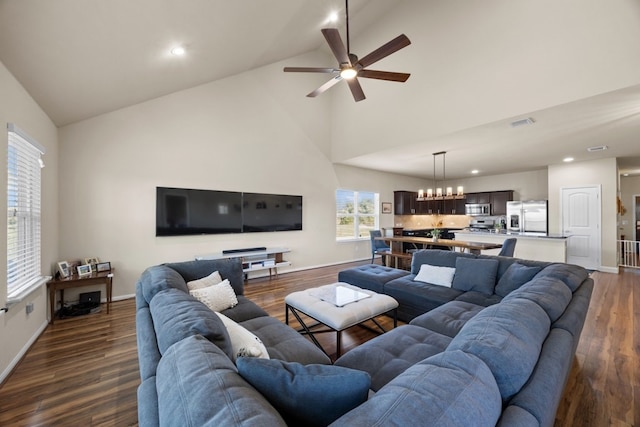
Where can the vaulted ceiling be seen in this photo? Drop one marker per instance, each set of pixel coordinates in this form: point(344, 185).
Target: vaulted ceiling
point(476, 67)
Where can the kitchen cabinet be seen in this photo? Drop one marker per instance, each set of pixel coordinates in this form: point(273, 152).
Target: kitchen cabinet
point(405, 202)
point(499, 201)
point(454, 207)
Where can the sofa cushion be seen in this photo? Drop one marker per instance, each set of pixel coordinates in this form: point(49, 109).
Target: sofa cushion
point(571, 275)
point(421, 295)
point(310, 395)
point(475, 275)
point(516, 275)
point(508, 338)
point(390, 354)
point(158, 278)
point(549, 293)
point(478, 298)
point(198, 385)
point(435, 257)
point(177, 315)
point(441, 276)
point(228, 268)
point(148, 352)
point(217, 297)
point(370, 276)
point(148, 411)
point(449, 318)
point(448, 389)
point(284, 343)
point(246, 309)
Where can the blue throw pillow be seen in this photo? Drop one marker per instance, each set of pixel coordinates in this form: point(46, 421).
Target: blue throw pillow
point(310, 395)
point(516, 275)
point(475, 275)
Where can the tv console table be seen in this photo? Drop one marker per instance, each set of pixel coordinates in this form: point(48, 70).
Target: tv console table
point(255, 260)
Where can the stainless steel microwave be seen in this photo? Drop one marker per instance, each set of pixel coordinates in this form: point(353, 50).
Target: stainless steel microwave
point(477, 209)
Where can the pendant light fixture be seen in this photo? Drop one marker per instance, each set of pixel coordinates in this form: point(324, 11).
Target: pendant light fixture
point(439, 194)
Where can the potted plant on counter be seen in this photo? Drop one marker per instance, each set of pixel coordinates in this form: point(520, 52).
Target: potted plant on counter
point(435, 234)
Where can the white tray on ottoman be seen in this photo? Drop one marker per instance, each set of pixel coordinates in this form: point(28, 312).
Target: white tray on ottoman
point(338, 306)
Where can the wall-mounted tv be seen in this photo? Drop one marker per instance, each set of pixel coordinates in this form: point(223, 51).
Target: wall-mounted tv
point(181, 211)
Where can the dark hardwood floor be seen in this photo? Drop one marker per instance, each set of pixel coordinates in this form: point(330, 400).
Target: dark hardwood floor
point(84, 371)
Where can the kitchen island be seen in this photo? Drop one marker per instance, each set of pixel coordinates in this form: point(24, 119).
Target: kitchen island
point(550, 248)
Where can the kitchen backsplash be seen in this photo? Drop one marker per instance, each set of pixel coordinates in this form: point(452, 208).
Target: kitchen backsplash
point(431, 221)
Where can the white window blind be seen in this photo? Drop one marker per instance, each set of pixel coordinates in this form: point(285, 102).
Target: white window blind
point(23, 213)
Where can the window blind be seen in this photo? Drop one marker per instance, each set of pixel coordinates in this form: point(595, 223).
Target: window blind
point(23, 212)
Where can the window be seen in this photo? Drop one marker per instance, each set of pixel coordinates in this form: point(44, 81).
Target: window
point(356, 214)
point(23, 214)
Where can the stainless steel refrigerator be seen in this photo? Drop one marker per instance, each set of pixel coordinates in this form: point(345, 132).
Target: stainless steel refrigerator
point(528, 217)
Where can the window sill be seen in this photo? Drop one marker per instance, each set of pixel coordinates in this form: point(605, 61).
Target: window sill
point(26, 291)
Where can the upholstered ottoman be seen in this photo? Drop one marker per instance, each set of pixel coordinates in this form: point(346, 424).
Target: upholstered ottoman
point(338, 306)
point(371, 276)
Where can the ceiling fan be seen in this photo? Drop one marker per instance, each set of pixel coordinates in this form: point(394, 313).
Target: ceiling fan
point(350, 67)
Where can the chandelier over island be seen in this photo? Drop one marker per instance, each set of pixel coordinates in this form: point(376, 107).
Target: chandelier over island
point(439, 194)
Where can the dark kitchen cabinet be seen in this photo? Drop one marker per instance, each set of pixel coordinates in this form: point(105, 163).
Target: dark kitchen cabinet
point(499, 201)
point(454, 207)
point(405, 202)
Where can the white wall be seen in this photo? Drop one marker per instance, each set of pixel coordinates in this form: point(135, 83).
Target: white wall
point(243, 133)
point(601, 173)
point(17, 329)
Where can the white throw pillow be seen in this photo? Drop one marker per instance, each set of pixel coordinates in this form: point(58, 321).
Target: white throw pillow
point(217, 297)
point(244, 342)
point(212, 279)
point(441, 276)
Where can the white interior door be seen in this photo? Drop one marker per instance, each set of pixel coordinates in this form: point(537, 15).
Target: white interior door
point(581, 219)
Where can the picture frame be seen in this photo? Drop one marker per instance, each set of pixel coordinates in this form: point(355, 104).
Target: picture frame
point(84, 270)
point(91, 261)
point(386, 208)
point(63, 268)
point(103, 266)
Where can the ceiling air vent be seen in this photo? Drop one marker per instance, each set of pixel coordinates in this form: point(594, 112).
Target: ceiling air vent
point(598, 148)
point(522, 122)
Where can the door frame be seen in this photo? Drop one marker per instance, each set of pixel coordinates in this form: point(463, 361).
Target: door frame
point(598, 189)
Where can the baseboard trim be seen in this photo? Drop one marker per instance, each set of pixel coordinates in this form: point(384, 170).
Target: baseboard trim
point(22, 352)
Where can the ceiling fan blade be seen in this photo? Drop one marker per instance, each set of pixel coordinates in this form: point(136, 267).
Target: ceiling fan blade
point(324, 87)
point(310, 70)
point(385, 50)
point(384, 75)
point(356, 89)
point(332, 35)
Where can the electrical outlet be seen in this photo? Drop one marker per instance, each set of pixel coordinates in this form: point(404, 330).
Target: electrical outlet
point(29, 308)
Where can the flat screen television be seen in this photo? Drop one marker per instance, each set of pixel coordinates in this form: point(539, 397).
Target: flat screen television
point(181, 211)
point(271, 212)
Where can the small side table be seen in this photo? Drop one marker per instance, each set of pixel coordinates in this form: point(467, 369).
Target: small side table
point(75, 281)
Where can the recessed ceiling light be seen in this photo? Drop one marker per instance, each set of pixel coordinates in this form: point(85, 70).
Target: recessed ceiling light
point(625, 174)
point(568, 159)
point(475, 171)
point(333, 17)
point(178, 51)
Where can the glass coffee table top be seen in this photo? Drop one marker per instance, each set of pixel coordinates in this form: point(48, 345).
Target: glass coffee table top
point(338, 295)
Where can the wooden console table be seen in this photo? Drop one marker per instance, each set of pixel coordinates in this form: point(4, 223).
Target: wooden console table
point(75, 281)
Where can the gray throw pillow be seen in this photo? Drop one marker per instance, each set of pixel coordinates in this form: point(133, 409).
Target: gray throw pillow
point(474, 274)
point(516, 275)
point(310, 395)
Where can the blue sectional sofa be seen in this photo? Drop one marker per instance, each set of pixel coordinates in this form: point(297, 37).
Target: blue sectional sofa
point(474, 356)
point(186, 366)
point(478, 354)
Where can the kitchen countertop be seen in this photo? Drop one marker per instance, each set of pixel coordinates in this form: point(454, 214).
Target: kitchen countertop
point(514, 234)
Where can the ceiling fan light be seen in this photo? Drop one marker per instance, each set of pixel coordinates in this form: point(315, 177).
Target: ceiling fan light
point(348, 73)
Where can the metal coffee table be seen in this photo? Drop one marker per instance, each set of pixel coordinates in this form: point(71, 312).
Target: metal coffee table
point(338, 306)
